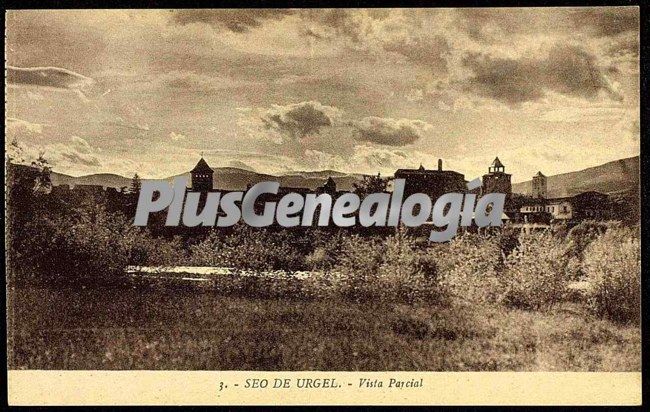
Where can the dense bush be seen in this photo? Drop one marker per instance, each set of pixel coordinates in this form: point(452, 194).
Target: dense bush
point(147, 250)
point(248, 248)
point(384, 269)
point(578, 238)
point(582, 234)
point(612, 265)
point(86, 245)
point(534, 274)
point(468, 267)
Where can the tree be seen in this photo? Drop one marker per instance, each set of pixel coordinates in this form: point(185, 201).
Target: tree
point(136, 184)
point(39, 177)
point(371, 184)
point(43, 181)
point(132, 194)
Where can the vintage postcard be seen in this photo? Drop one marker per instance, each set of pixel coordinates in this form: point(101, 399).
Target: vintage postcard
point(417, 206)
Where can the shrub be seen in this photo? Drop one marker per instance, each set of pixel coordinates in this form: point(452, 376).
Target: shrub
point(157, 251)
point(392, 270)
point(358, 263)
point(467, 267)
point(535, 272)
point(248, 249)
point(581, 235)
point(612, 265)
point(404, 272)
point(92, 246)
point(259, 285)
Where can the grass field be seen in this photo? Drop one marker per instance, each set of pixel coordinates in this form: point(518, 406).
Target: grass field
point(186, 329)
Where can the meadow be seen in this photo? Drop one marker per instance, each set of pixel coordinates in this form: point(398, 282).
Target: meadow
point(190, 329)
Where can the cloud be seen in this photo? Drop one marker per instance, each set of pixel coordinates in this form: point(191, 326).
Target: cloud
point(299, 120)
point(202, 83)
point(52, 77)
point(319, 160)
point(15, 125)
point(378, 158)
point(81, 145)
point(76, 153)
point(177, 136)
point(121, 123)
point(489, 25)
point(371, 159)
point(388, 131)
point(351, 24)
point(17, 153)
point(376, 31)
point(575, 113)
point(426, 50)
point(565, 69)
point(235, 20)
point(607, 21)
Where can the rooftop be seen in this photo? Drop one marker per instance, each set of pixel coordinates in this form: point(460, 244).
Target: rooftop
point(202, 167)
point(497, 163)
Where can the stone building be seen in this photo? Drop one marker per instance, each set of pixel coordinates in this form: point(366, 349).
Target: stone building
point(497, 180)
point(202, 177)
point(583, 206)
point(433, 183)
point(539, 186)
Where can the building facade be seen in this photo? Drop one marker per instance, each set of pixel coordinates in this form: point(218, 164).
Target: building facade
point(583, 206)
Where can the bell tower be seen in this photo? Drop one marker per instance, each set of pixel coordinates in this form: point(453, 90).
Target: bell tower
point(497, 180)
point(539, 186)
point(202, 177)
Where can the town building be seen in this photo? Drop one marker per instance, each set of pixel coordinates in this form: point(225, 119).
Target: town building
point(433, 183)
point(585, 205)
point(539, 186)
point(202, 177)
point(329, 187)
point(497, 180)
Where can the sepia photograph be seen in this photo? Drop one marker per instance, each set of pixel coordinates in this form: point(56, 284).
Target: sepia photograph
point(362, 190)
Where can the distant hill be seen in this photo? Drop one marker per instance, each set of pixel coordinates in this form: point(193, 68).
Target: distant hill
point(228, 178)
point(612, 177)
point(101, 179)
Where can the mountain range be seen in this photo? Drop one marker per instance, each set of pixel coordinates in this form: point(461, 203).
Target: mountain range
point(227, 178)
point(612, 177)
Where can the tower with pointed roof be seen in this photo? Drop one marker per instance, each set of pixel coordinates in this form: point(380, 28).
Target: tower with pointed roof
point(202, 177)
point(329, 187)
point(497, 180)
point(539, 186)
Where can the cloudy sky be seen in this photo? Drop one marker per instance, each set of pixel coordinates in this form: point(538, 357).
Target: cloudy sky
point(356, 90)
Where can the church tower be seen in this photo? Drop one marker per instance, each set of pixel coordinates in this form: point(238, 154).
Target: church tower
point(497, 180)
point(202, 177)
point(539, 186)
